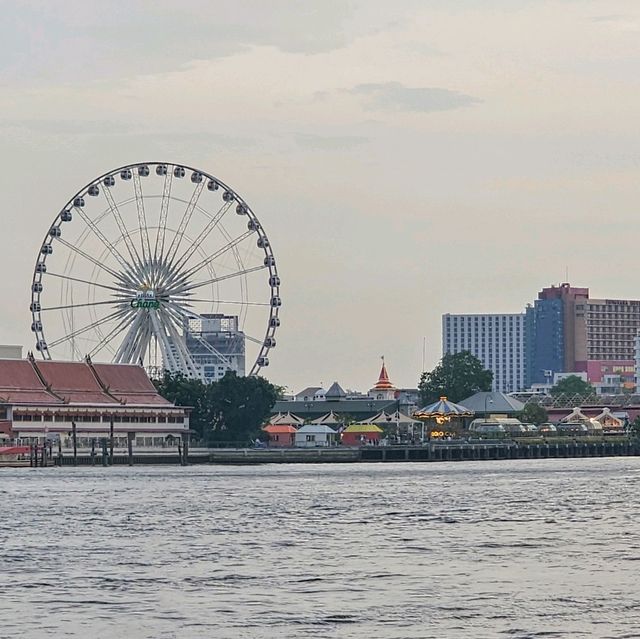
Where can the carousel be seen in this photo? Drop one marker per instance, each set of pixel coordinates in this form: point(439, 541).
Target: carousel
point(443, 418)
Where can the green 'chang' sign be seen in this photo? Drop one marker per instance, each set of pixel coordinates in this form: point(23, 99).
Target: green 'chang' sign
point(142, 303)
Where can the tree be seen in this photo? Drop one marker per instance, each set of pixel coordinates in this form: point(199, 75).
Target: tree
point(572, 385)
point(634, 427)
point(533, 414)
point(183, 391)
point(230, 410)
point(457, 376)
point(238, 406)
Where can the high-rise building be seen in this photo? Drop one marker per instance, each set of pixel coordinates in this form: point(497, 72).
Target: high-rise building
point(216, 345)
point(498, 341)
point(556, 333)
point(563, 331)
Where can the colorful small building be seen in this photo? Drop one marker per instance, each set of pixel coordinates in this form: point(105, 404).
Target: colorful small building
point(315, 435)
point(361, 435)
point(280, 435)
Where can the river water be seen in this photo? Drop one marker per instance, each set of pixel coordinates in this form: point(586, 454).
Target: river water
point(513, 549)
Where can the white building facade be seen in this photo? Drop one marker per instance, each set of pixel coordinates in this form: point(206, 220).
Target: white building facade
point(498, 341)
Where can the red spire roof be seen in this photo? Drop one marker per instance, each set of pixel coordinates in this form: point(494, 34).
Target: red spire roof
point(383, 382)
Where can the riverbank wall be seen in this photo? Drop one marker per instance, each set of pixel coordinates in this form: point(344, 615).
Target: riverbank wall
point(433, 452)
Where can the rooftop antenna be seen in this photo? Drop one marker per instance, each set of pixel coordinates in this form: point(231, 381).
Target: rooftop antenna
point(566, 274)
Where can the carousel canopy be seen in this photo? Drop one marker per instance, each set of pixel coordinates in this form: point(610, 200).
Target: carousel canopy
point(443, 408)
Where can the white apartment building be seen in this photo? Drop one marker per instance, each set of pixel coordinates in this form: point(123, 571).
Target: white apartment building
point(496, 340)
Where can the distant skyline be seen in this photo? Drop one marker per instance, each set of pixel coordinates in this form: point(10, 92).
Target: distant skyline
point(407, 159)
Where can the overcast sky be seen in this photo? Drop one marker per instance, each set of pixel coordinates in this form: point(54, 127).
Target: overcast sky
point(406, 158)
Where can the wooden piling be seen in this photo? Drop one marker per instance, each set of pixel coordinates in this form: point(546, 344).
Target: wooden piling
point(130, 437)
point(74, 437)
point(185, 450)
point(105, 455)
point(93, 451)
point(111, 442)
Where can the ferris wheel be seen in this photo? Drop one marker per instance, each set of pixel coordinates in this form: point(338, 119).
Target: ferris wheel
point(161, 265)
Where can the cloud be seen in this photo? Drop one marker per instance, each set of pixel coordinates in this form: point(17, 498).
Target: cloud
point(330, 142)
point(393, 96)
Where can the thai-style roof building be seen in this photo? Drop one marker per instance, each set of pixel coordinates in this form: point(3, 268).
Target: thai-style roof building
point(45, 398)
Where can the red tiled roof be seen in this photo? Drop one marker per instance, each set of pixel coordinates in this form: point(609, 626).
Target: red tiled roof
point(12, 396)
point(124, 378)
point(279, 429)
point(129, 383)
point(68, 376)
point(18, 374)
point(48, 382)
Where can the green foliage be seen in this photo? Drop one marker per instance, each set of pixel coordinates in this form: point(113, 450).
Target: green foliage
point(533, 414)
point(457, 376)
point(231, 410)
point(183, 391)
point(239, 406)
point(634, 427)
point(572, 385)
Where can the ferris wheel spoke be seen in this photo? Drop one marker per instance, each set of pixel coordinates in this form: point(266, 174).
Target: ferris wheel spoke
point(122, 227)
point(158, 250)
point(160, 334)
point(88, 257)
point(101, 236)
point(112, 333)
point(123, 355)
point(221, 278)
point(183, 354)
point(201, 301)
point(214, 256)
point(255, 340)
point(88, 282)
point(142, 220)
point(204, 234)
point(83, 305)
point(88, 327)
point(184, 222)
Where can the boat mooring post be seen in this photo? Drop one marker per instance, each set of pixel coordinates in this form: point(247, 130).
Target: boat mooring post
point(111, 441)
point(180, 451)
point(130, 437)
point(59, 451)
point(93, 451)
point(105, 454)
point(74, 437)
point(185, 449)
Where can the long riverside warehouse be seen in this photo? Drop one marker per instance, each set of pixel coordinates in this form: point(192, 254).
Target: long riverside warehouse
point(47, 400)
